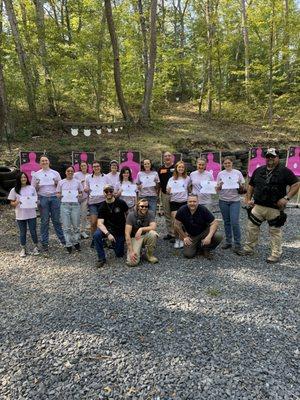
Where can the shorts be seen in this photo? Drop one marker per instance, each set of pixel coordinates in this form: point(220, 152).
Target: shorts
point(94, 209)
point(174, 206)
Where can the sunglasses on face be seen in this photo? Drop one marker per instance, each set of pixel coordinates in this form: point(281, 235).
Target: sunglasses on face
point(269, 156)
point(144, 206)
point(108, 191)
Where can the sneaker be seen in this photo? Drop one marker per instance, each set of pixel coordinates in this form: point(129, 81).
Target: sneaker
point(84, 235)
point(45, 248)
point(69, 249)
point(77, 247)
point(177, 244)
point(181, 244)
point(35, 251)
point(226, 246)
point(167, 237)
point(246, 252)
point(23, 252)
point(172, 240)
point(272, 259)
point(100, 263)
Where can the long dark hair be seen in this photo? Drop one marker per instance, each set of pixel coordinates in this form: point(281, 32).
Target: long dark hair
point(125, 169)
point(18, 181)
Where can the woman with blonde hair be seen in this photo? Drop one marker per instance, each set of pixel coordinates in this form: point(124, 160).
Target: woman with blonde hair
point(177, 187)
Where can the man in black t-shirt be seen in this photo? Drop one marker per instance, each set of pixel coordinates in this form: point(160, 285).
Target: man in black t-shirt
point(111, 224)
point(200, 229)
point(268, 187)
point(165, 172)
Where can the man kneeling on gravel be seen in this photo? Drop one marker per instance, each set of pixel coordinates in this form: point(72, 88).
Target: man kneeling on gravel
point(111, 225)
point(197, 227)
point(140, 232)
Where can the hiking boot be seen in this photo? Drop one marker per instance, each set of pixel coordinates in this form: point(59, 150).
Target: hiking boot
point(226, 246)
point(208, 254)
point(272, 259)
point(77, 247)
point(69, 249)
point(150, 257)
point(238, 250)
point(246, 252)
point(100, 263)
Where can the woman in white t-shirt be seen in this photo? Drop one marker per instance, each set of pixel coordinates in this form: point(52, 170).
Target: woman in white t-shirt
point(147, 181)
point(24, 198)
point(177, 187)
point(229, 181)
point(81, 175)
point(124, 188)
point(69, 190)
point(198, 177)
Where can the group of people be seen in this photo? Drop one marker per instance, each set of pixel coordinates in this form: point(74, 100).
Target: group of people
point(122, 211)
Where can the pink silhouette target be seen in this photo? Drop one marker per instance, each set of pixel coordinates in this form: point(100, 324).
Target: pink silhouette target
point(131, 159)
point(256, 160)
point(293, 160)
point(28, 163)
point(79, 157)
point(213, 164)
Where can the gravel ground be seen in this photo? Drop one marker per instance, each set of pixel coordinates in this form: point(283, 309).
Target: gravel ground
point(180, 329)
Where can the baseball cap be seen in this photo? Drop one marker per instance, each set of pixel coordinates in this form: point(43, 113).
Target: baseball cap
point(272, 152)
point(113, 162)
point(108, 187)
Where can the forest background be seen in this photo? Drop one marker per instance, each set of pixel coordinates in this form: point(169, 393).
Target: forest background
point(193, 73)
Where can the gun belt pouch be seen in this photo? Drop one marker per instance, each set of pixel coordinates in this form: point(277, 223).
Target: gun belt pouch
point(278, 221)
point(256, 221)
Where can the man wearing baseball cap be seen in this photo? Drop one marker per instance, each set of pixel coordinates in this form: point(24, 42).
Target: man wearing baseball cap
point(267, 196)
point(111, 225)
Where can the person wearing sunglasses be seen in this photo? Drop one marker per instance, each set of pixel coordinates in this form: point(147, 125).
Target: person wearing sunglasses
point(140, 232)
point(266, 198)
point(111, 225)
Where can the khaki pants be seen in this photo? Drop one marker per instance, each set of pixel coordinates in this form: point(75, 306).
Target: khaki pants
point(252, 235)
point(191, 251)
point(148, 240)
point(165, 200)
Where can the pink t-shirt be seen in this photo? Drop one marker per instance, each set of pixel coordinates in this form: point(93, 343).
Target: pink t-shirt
point(45, 190)
point(196, 179)
point(183, 183)
point(23, 213)
point(82, 177)
point(230, 194)
point(90, 182)
point(113, 179)
point(69, 184)
point(143, 176)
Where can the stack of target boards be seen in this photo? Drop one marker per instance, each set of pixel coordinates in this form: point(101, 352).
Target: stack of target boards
point(28, 161)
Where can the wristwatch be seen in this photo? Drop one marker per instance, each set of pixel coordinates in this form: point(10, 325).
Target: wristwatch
point(107, 234)
point(287, 198)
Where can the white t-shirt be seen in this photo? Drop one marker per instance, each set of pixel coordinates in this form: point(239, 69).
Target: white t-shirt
point(143, 177)
point(196, 179)
point(81, 177)
point(230, 194)
point(183, 184)
point(23, 213)
point(92, 181)
point(45, 190)
point(69, 184)
point(113, 179)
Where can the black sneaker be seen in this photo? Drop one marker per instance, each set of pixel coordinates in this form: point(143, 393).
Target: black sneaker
point(226, 246)
point(168, 237)
point(45, 248)
point(100, 263)
point(69, 249)
point(238, 250)
point(77, 247)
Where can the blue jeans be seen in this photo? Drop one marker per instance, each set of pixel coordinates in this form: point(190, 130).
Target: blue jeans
point(118, 245)
point(231, 215)
point(23, 230)
point(50, 208)
point(152, 201)
point(70, 218)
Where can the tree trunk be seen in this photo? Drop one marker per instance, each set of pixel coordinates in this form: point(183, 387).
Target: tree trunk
point(145, 109)
point(117, 71)
point(40, 24)
point(209, 34)
point(286, 42)
point(246, 46)
point(100, 64)
point(145, 43)
point(271, 54)
point(22, 60)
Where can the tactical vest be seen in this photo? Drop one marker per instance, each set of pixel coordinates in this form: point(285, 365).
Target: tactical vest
point(269, 186)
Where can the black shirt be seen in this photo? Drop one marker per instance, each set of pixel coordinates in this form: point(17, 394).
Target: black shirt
point(196, 223)
point(137, 221)
point(114, 215)
point(165, 174)
point(270, 185)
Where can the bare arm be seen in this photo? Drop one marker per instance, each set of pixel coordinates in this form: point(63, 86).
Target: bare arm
point(212, 230)
point(292, 191)
point(248, 197)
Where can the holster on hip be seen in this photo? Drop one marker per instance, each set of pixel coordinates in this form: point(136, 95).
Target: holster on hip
point(256, 221)
point(278, 221)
